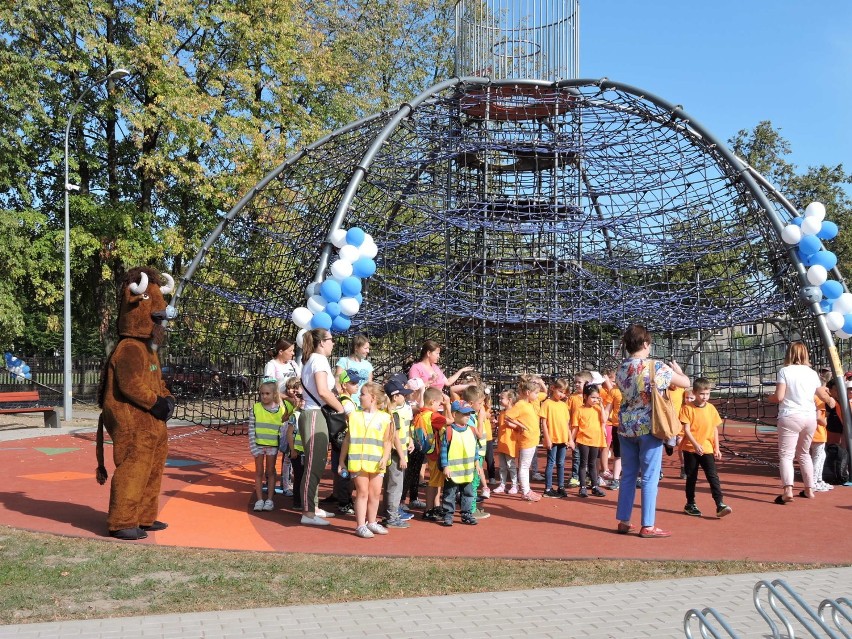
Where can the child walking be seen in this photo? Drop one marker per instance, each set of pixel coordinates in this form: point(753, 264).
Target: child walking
point(458, 464)
point(557, 437)
point(265, 421)
point(587, 427)
point(367, 449)
point(701, 447)
point(524, 417)
point(507, 446)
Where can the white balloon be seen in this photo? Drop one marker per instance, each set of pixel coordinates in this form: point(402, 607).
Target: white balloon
point(811, 225)
point(817, 274)
point(369, 249)
point(843, 304)
point(349, 306)
point(791, 234)
point(338, 237)
point(834, 320)
point(842, 335)
point(341, 269)
point(312, 289)
point(815, 209)
point(300, 337)
point(302, 317)
point(316, 304)
point(349, 253)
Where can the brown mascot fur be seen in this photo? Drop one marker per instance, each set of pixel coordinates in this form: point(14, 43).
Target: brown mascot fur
point(136, 406)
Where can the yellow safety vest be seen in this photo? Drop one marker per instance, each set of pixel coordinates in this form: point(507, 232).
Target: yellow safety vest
point(405, 417)
point(297, 434)
point(366, 441)
point(266, 426)
point(461, 456)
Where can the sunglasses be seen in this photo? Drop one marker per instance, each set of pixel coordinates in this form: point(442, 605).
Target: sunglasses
point(328, 339)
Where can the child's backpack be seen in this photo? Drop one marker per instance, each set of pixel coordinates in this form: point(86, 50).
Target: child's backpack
point(836, 468)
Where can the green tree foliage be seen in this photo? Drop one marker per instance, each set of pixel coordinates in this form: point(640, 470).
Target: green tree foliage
point(221, 92)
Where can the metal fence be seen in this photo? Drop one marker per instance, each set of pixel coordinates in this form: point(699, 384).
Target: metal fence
point(48, 375)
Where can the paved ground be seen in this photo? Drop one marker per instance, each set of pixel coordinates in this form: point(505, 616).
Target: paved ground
point(634, 610)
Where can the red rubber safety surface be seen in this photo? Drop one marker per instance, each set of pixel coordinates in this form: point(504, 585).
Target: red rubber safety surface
point(207, 497)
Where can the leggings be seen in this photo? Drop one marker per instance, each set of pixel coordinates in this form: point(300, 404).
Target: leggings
point(411, 486)
point(508, 469)
point(588, 464)
point(818, 457)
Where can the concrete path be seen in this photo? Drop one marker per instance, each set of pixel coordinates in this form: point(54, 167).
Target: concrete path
point(631, 610)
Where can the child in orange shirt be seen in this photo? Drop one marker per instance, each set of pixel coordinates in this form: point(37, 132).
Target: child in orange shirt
point(587, 428)
point(700, 446)
point(507, 446)
point(524, 418)
point(611, 397)
point(818, 446)
point(554, 418)
point(575, 402)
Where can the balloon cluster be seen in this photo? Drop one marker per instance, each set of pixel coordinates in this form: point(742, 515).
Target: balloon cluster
point(17, 367)
point(332, 302)
point(806, 233)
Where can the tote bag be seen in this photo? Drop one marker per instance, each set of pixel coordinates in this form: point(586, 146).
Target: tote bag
point(336, 423)
point(665, 423)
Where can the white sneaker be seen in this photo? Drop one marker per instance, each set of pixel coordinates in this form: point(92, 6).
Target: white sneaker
point(377, 528)
point(324, 513)
point(363, 531)
point(314, 521)
point(258, 505)
point(268, 505)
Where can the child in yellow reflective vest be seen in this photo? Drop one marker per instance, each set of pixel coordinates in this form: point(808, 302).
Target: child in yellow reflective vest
point(264, 429)
point(458, 463)
point(367, 449)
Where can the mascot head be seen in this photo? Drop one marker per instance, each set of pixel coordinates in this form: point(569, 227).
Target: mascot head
point(143, 311)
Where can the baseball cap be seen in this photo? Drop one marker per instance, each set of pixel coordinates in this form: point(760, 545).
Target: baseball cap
point(350, 377)
point(459, 407)
point(393, 387)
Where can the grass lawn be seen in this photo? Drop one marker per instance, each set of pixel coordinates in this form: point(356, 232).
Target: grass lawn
point(47, 578)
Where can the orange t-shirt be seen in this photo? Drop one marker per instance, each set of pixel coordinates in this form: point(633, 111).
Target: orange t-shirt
point(820, 434)
point(613, 397)
point(590, 426)
point(556, 416)
point(525, 413)
point(507, 438)
point(703, 422)
point(574, 402)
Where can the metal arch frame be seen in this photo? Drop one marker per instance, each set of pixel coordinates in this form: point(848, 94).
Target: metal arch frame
point(754, 182)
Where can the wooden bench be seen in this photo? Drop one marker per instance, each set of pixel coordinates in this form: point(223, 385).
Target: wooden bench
point(27, 402)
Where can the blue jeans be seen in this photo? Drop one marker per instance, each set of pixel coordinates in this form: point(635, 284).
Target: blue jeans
point(575, 463)
point(555, 456)
point(643, 456)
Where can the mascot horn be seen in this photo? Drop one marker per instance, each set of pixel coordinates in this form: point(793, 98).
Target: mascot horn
point(136, 406)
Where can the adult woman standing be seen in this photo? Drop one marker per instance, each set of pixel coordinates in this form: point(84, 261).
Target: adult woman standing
point(797, 418)
point(427, 369)
point(282, 366)
point(318, 383)
point(641, 452)
point(356, 361)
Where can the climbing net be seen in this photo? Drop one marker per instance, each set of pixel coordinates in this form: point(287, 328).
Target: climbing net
point(522, 225)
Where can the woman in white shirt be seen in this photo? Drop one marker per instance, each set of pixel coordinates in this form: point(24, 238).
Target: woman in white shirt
point(282, 366)
point(797, 418)
point(317, 384)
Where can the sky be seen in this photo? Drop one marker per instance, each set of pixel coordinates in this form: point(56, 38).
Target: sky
point(734, 63)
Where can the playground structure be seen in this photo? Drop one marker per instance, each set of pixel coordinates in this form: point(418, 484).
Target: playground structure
point(521, 222)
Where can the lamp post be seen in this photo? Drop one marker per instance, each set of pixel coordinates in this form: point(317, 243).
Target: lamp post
point(68, 410)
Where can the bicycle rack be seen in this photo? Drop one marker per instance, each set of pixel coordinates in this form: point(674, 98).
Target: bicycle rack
point(778, 602)
point(838, 613)
point(707, 626)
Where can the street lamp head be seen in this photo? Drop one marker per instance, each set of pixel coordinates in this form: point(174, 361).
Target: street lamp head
point(117, 74)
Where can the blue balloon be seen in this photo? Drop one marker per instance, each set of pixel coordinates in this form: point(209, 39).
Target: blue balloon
point(25, 369)
point(828, 230)
point(333, 309)
point(330, 291)
point(797, 221)
point(809, 260)
point(321, 320)
point(363, 267)
point(355, 236)
point(826, 259)
point(360, 298)
point(847, 324)
point(832, 289)
point(351, 286)
point(28, 376)
point(809, 245)
point(826, 305)
point(341, 324)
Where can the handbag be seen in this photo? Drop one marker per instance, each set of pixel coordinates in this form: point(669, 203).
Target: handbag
point(336, 422)
point(665, 423)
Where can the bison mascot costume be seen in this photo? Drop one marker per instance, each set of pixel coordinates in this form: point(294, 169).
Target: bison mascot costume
point(136, 406)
